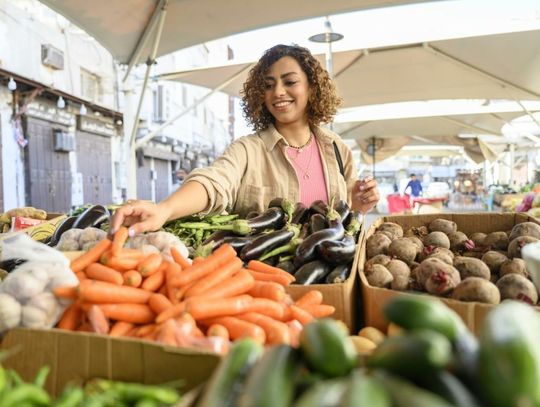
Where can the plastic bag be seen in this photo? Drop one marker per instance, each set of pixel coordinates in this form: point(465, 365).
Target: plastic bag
point(162, 241)
point(31, 284)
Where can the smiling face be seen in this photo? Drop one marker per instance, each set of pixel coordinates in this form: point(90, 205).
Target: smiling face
point(286, 92)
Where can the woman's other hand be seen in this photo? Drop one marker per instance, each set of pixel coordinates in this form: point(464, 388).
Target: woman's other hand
point(139, 216)
point(365, 195)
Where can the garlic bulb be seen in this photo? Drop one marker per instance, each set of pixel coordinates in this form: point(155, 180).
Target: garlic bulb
point(33, 317)
point(10, 312)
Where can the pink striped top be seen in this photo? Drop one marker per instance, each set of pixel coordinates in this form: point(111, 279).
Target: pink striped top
point(309, 170)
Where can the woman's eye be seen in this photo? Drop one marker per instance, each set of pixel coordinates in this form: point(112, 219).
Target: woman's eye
point(290, 83)
point(268, 86)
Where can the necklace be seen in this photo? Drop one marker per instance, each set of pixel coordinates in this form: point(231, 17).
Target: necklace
point(299, 149)
point(305, 171)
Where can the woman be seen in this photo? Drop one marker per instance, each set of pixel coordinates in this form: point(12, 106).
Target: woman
point(286, 97)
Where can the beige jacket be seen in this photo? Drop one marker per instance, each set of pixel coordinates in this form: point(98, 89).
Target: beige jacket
point(255, 169)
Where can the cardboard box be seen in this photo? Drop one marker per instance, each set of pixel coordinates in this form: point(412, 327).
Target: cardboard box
point(79, 356)
point(344, 296)
point(472, 313)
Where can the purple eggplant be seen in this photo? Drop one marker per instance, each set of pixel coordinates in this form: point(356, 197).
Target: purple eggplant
point(338, 251)
point(312, 273)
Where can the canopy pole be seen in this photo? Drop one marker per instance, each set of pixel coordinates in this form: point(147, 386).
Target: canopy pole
point(150, 135)
point(486, 74)
point(131, 162)
point(155, 19)
point(476, 129)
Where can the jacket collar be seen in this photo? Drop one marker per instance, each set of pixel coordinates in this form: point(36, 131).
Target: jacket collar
point(271, 136)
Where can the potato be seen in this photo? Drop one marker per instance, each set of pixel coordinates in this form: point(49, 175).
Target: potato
point(401, 273)
point(378, 276)
point(477, 289)
point(478, 239)
point(403, 249)
point(525, 229)
point(377, 244)
point(496, 241)
point(378, 259)
point(517, 287)
point(459, 241)
point(373, 334)
point(391, 229)
point(471, 267)
point(494, 260)
point(442, 225)
point(363, 346)
point(514, 266)
point(514, 248)
point(437, 239)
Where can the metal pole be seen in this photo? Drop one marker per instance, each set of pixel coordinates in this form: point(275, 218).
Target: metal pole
point(373, 156)
point(161, 8)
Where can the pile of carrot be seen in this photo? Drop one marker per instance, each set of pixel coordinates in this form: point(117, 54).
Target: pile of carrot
point(123, 292)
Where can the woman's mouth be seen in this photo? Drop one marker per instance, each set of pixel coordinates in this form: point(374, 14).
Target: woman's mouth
point(282, 105)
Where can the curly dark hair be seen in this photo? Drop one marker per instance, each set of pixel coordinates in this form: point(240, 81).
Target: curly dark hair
point(323, 101)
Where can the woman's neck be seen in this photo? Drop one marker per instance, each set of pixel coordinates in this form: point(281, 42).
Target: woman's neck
point(296, 135)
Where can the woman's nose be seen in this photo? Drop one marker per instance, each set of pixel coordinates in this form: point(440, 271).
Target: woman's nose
point(279, 89)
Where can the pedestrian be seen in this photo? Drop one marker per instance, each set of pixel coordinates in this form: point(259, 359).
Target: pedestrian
point(415, 186)
point(286, 98)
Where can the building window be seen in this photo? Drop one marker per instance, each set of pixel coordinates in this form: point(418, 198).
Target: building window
point(91, 86)
point(161, 104)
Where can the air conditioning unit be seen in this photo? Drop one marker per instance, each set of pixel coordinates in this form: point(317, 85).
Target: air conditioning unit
point(52, 57)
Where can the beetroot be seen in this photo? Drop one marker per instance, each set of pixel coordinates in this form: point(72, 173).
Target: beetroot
point(477, 289)
point(437, 239)
point(442, 225)
point(377, 244)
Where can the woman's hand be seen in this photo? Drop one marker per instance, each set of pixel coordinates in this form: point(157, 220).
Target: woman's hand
point(365, 195)
point(139, 216)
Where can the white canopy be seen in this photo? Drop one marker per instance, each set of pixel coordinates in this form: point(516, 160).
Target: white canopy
point(501, 66)
point(119, 24)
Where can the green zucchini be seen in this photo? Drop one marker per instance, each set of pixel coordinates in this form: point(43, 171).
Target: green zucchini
point(327, 348)
point(227, 381)
point(413, 354)
point(364, 391)
point(271, 381)
point(406, 394)
point(509, 360)
point(327, 393)
point(449, 387)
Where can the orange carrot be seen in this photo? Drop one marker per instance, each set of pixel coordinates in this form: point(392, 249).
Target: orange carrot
point(66, 291)
point(320, 310)
point(134, 313)
point(81, 275)
point(163, 290)
point(186, 329)
point(276, 332)
point(166, 333)
point(295, 328)
point(150, 264)
point(172, 312)
point(276, 278)
point(121, 328)
point(100, 272)
point(219, 257)
point(216, 277)
point(98, 320)
point(119, 262)
point(173, 269)
point(313, 297)
point(132, 278)
point(71, 318)
point(85, 327)
point(268, 289)
point(238, 328)
point(218, 330)
point(119, 240)
point(266, 307)
point(179, 259)
point(127, 253)
point(144, 330)
point(299, 314)
point(197, 260)
point(154, 282)
point(91, 256)
point(261, 267)
point(238, 284)
point(203, 308)
point(159, 303)
point(102, 292)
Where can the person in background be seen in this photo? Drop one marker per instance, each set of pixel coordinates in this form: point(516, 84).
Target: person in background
point(415, 186)
point(286, 99)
